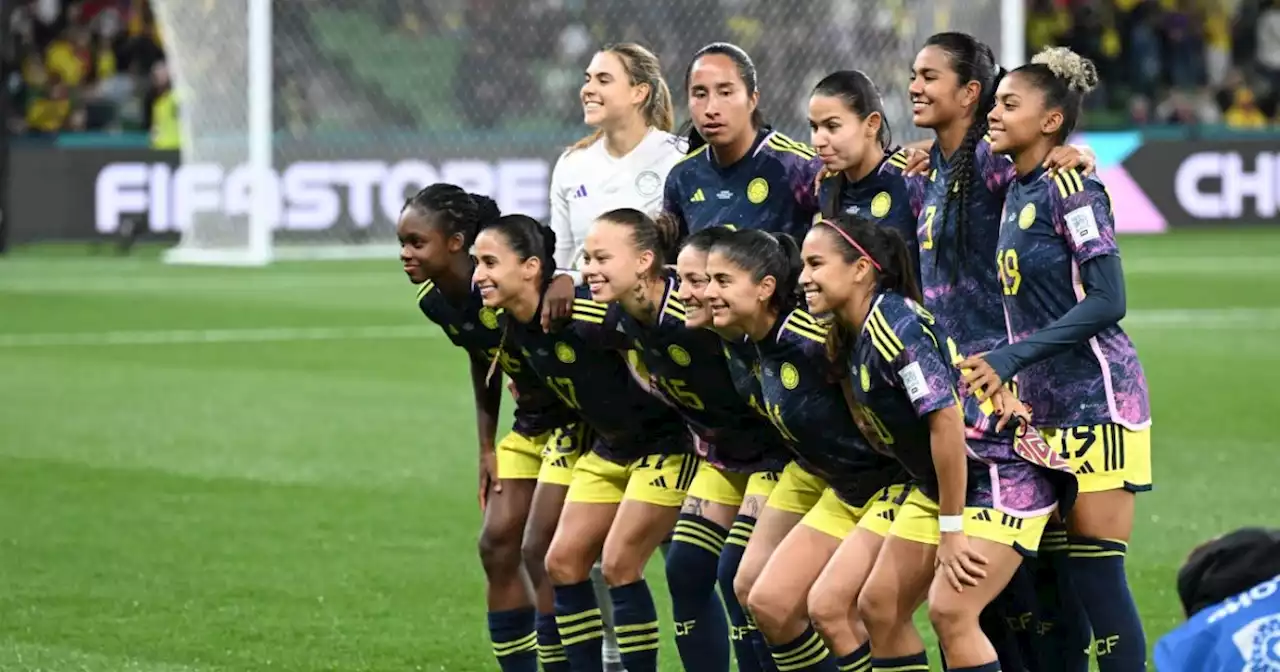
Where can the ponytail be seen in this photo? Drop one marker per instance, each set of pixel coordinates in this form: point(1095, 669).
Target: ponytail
point(763, 255)
point(642, 67)
point(528, 238)
point(750, 79)
point(658, 236)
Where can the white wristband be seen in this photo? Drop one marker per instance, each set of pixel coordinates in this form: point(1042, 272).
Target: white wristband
point(951, 523)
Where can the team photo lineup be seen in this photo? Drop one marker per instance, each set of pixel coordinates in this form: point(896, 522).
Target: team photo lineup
point(833, 381)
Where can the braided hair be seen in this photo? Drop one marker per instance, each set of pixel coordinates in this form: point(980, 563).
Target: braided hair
point(972, 61)
point(458, 212)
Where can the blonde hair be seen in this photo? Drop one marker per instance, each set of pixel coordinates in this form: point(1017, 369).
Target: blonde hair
point(642, 67)
point(1079, 73)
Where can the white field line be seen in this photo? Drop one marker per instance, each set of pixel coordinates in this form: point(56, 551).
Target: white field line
point(1184, 319)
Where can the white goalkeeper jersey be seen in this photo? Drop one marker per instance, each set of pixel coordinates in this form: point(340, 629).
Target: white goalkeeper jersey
point(588, 182)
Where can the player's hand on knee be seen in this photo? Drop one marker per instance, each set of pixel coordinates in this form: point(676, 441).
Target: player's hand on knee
point(489, 482)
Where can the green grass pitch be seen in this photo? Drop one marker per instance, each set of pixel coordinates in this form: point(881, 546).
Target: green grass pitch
point(274, 469)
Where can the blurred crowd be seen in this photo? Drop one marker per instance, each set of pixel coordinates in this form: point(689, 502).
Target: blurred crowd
point(87, 65)
point(99, 65)
point(1172, 61)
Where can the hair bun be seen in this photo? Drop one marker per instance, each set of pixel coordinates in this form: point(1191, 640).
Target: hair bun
point(1078, 72)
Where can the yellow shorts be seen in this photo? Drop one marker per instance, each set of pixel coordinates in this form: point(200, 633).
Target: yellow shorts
point(561, 452)
point(1105, 457)
point(663, 480)
point(832, 516)
point(797, 490)
point(730, 488)
point(520, 456)
point(917, 521)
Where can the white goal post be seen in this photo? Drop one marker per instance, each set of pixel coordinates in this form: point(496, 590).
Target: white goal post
point(305, 125)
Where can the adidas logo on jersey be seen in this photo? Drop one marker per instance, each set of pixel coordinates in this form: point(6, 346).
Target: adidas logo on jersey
point(580, 192)
point(697, 197)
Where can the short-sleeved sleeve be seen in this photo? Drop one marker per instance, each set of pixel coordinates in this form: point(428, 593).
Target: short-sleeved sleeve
point(672, 203)
point(1084, 219)
point(997, 170)
point(803, 175)
point(917, 364)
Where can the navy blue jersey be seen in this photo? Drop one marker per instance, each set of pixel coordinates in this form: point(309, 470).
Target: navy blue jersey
point(689, 367)
point(885, 196)
point(902, 369)
point(770, 189)
point(810, 411)
point(474, 328)
point(584, 363)
point(1053, 225)
point(744, 369)
point(964, 292)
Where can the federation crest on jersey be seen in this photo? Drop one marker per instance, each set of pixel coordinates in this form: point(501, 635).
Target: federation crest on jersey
point(880, 204)
point(1027, 216)
point(789, 375)
point(758, 190)
point(648, 183)
point(1259, 644)
point(565, 353)
point(488, 318)
point(679, 355)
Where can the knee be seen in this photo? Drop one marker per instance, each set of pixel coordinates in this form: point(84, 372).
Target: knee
point(827, 613)
point(620, 569)
point(565, 566)
point(533, 552)
point(499, 552)
point(876, 607)
point(771, 608)
point(951, 618)
point(743, 581)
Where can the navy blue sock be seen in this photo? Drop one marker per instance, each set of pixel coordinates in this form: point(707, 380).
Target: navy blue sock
point(914, 663)
point(806, 653)
point(858, 661)
point(550, 653)
point(989, 667)
point(581, 626)
point(1063, 635)
point(1097, 573)
point(749, 646)
point(702, 631)
point(995, 625)
point(515, 644)
point(635, 620)
point(1019, 604)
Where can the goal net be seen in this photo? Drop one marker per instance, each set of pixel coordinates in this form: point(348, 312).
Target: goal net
point(372, 99)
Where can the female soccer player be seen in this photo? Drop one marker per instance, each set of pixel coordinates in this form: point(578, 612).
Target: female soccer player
point(851, 135)
point(622, 163)
point(624, 261)
point(794, 491)
point(739, 172)
point(978, 504)
point(753, 283)
point(626, 493)
point(953, 85)
point(625, 160)
point(436, 229)
point(1063, 297)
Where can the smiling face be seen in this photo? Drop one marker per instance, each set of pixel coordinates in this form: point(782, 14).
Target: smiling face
point(828, 280)
point(1020, 119)
point(500, 275)
point(841, 137)
point(611, 265)
point(734, 298)
point(691, 266)
point(607, 93)
point(938, 97)
point(720, 104)
point(425, 251)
